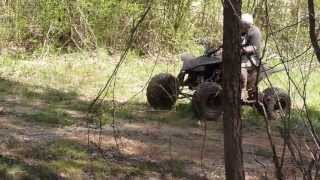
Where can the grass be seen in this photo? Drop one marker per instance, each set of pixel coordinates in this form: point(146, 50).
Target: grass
point(182, 115)
point(68, 159)
point(13, 168)
point(71, 81)
point(42, 105)
point(57, 90)
point(266, 153)
point(296, 86)
point(51, 116)
point(252, 118)
point(54, 160)
point(84, 73)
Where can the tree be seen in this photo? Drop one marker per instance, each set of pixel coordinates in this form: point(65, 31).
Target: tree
point(312, 29)
point(231, 85)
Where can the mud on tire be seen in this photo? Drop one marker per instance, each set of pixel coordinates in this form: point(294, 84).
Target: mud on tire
point(277, 102)
point(162, 91)
point(207, 101)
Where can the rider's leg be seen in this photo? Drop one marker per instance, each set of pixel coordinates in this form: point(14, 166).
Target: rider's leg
point(244, 81)
point(245, 64)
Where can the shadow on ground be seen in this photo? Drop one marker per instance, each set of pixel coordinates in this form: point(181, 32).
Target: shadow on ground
point(13, 168)
point(33, 148)
point(163, 144)
point(181, 115)
point(41, 105)
point(48, 106)
point(71, 159)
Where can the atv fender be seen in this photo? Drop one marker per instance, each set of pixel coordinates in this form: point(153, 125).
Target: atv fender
point(190, 62)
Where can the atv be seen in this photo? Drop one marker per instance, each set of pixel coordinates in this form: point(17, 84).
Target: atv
point(200, 79)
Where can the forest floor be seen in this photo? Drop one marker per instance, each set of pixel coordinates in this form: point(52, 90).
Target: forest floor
point(44, 134)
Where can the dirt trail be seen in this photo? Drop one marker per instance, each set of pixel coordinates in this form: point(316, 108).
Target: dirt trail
point(154, 149)
point(151, 142)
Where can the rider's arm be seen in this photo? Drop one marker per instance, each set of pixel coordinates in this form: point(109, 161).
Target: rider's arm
point(249, 49)
point(254, 38)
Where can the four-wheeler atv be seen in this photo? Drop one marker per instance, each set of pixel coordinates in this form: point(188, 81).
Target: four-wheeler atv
point(203, 77)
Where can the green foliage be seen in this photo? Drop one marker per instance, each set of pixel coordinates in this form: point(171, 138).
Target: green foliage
point(170, 25)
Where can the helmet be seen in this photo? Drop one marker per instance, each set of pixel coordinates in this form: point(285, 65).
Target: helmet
point(247, 19)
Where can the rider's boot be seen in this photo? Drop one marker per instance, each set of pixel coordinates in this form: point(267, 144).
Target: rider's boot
point(244, 95)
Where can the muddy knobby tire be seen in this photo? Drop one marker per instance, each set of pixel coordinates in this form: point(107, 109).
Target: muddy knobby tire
point(207, 101)
point(162, 91)
point(277, 103)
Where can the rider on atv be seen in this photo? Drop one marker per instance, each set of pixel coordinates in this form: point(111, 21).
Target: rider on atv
point(203, 76)
point(250, 50)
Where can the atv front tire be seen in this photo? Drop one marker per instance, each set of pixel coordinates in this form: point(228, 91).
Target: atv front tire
point(207, 101)
point(162, 91)
point(277, 103)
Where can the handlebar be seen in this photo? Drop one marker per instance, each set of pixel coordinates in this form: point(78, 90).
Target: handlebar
point(211, 51)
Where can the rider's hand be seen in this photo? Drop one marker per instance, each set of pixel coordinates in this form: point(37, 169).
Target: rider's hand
point(242, 50)
point(209, 52)
point(248, 49)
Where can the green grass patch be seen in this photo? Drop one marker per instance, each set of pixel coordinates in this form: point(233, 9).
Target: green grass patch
point(51, 116)
point(13, 168)
point(69, 158)
point(71, 81)
point(181, 115)
point(74, 161)
point(252, 118)
point(266, 153)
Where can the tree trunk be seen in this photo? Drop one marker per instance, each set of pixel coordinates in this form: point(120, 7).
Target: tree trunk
point(312, 29)
point(231, 85)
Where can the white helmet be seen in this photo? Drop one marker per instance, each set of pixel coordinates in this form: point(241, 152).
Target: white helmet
point(247, 19)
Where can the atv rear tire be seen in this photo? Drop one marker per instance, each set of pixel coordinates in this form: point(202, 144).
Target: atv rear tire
point(162, 91)
point(277, 103)
point(207, 101)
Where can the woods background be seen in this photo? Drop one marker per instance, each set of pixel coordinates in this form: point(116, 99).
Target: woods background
point(173, 26)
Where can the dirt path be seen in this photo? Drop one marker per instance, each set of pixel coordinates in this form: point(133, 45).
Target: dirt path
point(170, 151)
point(150, 147)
